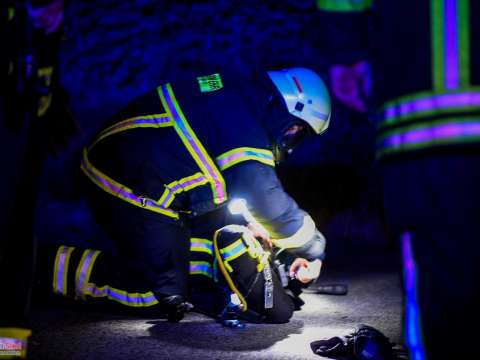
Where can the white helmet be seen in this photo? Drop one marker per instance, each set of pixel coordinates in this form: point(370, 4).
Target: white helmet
point(305, 95)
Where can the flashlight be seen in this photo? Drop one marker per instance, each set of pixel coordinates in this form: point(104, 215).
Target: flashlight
point(239, 207)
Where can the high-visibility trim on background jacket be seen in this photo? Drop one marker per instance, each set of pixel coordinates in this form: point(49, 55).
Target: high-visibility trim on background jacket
point(429, 103)
point(450, 44)
point(435, 101)
point(430, 133)
point(344, 5)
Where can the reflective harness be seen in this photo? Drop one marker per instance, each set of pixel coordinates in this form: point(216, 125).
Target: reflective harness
point(209, 170)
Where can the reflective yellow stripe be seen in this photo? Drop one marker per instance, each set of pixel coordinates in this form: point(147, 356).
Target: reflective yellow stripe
point(192, 143)
point(300, 238)
point(344, 5)
point(201, 268)
point(143, 121)
point(116, 189)
point(233, 251)
point(60, 270)
point(176, 187)
point(201, 245)
point(225, 273)
point(84, 270)
point(84, 287)
point(235, 156)
point(123, 297)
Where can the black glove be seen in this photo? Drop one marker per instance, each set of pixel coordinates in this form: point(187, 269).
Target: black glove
point(365, 343)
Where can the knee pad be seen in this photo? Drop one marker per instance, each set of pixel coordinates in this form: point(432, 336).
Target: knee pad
point(245, 267)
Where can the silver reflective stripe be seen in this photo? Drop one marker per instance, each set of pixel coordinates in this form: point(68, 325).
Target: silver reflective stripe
point(300, 238)
point(268, 288)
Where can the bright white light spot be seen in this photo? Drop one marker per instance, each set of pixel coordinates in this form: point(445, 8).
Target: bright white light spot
point(238, 207)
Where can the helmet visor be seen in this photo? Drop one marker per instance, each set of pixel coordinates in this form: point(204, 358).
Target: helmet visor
point(290, 139)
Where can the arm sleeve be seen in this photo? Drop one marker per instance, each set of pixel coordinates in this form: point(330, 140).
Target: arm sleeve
point(290, 227)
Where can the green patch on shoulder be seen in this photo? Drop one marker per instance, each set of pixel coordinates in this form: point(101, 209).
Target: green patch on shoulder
point(210, 83)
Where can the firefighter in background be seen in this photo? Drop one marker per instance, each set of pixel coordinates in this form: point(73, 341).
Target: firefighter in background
point(160, 174)
point(33, 118)
point(427, 102)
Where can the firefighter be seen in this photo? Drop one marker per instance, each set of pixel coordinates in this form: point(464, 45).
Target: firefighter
point(159, 177)
point(33, 120)
point(426, 103)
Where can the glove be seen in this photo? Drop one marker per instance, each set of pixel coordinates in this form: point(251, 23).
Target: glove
point(365, 343)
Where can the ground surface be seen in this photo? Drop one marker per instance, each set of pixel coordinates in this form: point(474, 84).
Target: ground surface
point(374, 298)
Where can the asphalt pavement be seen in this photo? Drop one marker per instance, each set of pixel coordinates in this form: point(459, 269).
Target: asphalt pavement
point(374, 297)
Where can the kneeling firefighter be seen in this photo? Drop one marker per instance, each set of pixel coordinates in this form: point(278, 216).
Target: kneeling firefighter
point(160, 175)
